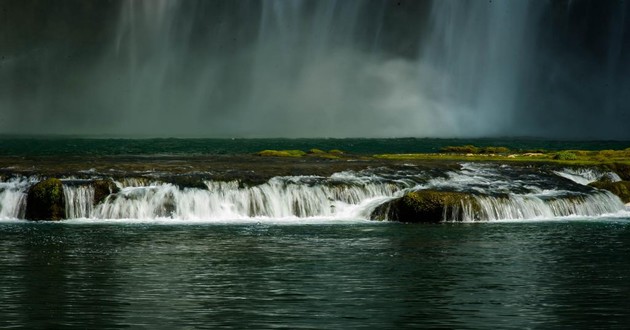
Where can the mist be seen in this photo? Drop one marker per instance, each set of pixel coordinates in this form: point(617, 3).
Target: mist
point(158, 68)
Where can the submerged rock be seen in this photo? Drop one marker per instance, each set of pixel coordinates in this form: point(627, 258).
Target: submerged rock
point(426, 206)
point(46, 201)
point(619, 188)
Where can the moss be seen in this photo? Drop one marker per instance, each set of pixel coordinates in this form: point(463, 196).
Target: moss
point(316, 152)
point(467, 149)
point(336, 152)
point(620, 188)
point(281, 153)
point(623, 170)
point(46, 201)
point(102, 189)
point(495, 150)
point(565, 155)
point(425, 206)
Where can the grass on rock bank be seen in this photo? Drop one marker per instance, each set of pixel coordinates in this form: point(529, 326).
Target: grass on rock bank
point(473, 153)
point(570, 157)
point(332, 154)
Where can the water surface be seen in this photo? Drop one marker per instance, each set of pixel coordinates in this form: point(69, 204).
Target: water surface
point(536, 274)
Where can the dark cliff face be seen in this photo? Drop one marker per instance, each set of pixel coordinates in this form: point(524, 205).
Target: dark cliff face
point(206, 67)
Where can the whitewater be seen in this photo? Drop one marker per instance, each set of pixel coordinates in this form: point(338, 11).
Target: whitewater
point(503, 193)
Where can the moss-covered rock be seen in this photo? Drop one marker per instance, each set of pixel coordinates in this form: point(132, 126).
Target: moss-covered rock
point(623, 170)
point(46, 201)
point(315, 151)
point(565, 155)
point(103, 188)
point(281, 153)
point(426, 206)
point(619, 188)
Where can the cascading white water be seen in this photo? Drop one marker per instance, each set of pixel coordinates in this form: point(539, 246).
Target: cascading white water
point(281, 197)
point(13, 197)
point(513, 207)
point(584, 176)
point(499, 192)
point(503, 192)
point(79, 201)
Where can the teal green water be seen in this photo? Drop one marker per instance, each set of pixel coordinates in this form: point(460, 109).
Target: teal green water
point(537, 275)
point(59, 146)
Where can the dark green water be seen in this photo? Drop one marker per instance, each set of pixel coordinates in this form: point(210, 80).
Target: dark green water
point(555, 274)
point(60, 146)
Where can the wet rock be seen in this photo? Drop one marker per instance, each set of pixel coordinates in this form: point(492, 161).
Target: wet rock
point(619, 188)
point(188, 181)
point(103, 188)
point(426, 206)
point(45, 201)
point(623, 170)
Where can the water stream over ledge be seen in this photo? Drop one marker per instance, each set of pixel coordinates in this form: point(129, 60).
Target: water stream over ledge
point(502, 193)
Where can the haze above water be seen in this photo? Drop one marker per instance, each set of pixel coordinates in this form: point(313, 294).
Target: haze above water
point(315, 68)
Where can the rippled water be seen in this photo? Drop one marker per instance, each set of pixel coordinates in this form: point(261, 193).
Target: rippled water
point(545, 274)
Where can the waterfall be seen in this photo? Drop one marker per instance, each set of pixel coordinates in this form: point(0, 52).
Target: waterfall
point(281, 197)
point(13, 197)
point(79, 200)
point(513, 207)
point(499, 192)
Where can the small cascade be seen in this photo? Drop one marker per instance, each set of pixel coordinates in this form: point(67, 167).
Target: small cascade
point(79, 200)
point(504, 192)
point(281, 197)
point(584, 176)
point(13, 197)
point(513, 207)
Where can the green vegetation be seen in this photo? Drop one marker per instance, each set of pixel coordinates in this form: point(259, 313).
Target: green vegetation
point(470, 149)
point(333, 154)
point(565, 155)
point(467, 149)
point(281, 153)
point(613, 158)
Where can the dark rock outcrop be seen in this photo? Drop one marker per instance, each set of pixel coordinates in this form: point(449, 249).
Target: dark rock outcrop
point(45, 201)
point(103, 188)
point(619, 188)
point(623, 170)
point(426, 206)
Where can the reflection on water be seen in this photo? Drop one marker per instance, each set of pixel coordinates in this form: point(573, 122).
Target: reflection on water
point(520, 275)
